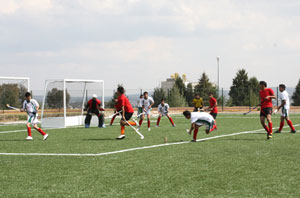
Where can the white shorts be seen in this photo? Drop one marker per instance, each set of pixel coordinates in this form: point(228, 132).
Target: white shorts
point(285, 112)
point(164, 113)
point(207, 124)
point(147, 111)
point(32, 119)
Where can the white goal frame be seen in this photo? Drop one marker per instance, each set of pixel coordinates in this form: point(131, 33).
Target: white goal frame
point(18, 78)
point(72, 120)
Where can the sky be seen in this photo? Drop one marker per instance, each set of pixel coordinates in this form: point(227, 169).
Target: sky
point(139, 43)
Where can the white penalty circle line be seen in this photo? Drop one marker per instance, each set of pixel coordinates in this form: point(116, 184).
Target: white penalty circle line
point(133, 149)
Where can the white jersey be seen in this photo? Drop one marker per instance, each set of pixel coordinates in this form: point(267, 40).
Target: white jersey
point(201, 118)
point(140, 102)
point(163, 109)
point(285, 96)
point(147, 102)
point(31, 106)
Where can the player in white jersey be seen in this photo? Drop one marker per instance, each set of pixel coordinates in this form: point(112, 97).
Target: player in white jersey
point(163, 110)
point(31, 106)
point(140, 104)
point(199, 119)
point(147, 104)
point(285, 107)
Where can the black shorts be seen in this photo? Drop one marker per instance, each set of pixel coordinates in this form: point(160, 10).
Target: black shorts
point(214, 115)
point(196, 109)
point(128, 116)
point(266, 111)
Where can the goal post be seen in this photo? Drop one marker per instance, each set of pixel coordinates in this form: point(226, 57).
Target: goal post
point(12, 90)
point(64, 101)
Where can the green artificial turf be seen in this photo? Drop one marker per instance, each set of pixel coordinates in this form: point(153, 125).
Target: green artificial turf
point(245, 165)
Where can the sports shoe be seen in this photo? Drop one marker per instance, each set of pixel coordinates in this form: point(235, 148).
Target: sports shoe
point(45, 137)
point(293, 131)
point(103, 126)
point(174, 125)
point(193, 141)
point(87, 126)
point(149, 129)
point(29, 138)
point(269, 136)
point(156, 126)
point(277, 131)
point(121, 137)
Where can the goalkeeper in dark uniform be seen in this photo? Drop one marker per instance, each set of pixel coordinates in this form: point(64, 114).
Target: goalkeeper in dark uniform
point(93, 106)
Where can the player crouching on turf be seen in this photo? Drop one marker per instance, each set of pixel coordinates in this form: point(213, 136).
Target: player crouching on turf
point(126, 111)
point(93, 106)
point(266, 96)
point(197, 120)
point(31, 106)
point(285, 105)
point(147, 103)
point(163, 110)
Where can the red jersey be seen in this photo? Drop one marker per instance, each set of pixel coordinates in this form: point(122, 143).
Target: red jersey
point(94, 104)
point(123, 101)
point(213, 102)
point(263, 94)
point(118, 107)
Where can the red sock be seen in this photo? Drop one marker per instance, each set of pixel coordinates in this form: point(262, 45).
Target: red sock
point(266, 128)
point(141, 122)
point(113, 119)
point(29, 131)
point(195, 133)
point(148, 123)
point(281, 125)
point(158, 120)
point(270, 128)
point(291, 125)
point(41, 131)
point(171, 120)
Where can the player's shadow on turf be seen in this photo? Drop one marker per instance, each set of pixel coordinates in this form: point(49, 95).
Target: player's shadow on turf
point(13, 140)
point(240, 139)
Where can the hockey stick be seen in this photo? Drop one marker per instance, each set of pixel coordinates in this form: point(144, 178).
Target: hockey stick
point(251, 109)
point(10, 107)
point(136, 130)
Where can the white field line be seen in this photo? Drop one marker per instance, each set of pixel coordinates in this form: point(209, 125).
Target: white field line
point(136, 148)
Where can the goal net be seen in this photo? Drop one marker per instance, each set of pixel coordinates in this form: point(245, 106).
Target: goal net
point(12, 91)
point(65, 100)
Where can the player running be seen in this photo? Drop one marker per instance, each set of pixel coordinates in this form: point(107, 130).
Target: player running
point(93, 106)
point(31, 106)
point(199, 119)
point(163, 110)
point(285, 106)
point(140, 104)
point(198, 103)
point(266, 96)
point(126, 111)
point(147, 105)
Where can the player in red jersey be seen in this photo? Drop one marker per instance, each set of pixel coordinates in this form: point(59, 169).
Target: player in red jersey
point(127, 111)
point(213, 106)
point(266, 96)
point(93, 106)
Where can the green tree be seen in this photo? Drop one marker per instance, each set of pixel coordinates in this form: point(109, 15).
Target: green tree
point(189, 95)
point(296, 95)
point(10, 94)
point(158, 94)
point(175, 99)
point(239, 91)
point(253, 91)
point(203, 88)
point(55, 98)
point(181, 86)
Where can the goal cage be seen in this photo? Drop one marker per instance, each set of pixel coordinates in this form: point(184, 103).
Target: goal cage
point(12, 91)
point(65, 100)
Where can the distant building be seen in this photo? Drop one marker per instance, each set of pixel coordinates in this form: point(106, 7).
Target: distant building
point(170, 82)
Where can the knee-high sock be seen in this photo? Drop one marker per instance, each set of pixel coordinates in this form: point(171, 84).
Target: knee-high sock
point(270, 128)
point(281, 125)
point(171, 120)
point(266, 128)
point(132, 123)
point(113, 119)
point(141, 122)
point(158, 120)
point(29, 131)
point(148, 123)
point(41, 131)
point(122, 130)
point(291, 125)
point(195, 133)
